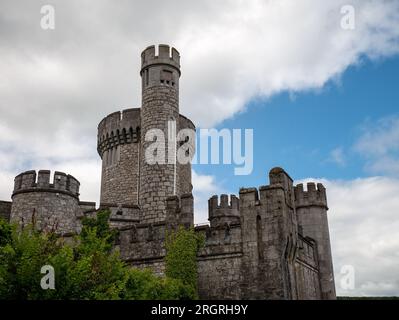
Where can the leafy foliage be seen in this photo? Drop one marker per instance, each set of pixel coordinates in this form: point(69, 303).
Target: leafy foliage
point(5, 232)
point(181, 259)
point(86, 267)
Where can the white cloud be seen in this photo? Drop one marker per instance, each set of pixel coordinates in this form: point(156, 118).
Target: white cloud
point(364, 224)
point(379, 144)
point(55, 86)
point(86, 170)
point(204, 187)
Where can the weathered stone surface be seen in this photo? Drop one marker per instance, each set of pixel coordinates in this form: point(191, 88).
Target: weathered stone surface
point(50, 206)
point(267, 243)
point(5, 210)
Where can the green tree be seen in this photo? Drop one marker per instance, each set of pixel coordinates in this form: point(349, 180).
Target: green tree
point(88, 267)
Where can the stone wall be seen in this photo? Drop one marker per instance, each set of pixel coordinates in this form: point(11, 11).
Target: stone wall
point(307, 270)
point(5, 210)
point(219, 262)
point(219, 277)
point(119, 181)
point(142, 242)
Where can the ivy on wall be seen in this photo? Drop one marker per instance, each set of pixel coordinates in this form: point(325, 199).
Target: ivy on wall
point(181, 258)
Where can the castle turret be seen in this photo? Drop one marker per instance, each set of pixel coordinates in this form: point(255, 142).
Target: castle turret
point(311, 210)
point(159, 177)
point(224, 213)
point(139, 146)
point(50, 206)
point(118, 145)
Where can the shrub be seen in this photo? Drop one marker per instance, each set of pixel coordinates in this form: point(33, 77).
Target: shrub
point(89, 267)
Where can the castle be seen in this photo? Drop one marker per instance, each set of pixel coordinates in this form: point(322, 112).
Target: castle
point(269, 243)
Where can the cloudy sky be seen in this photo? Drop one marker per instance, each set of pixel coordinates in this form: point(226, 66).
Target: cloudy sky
point(322, 99)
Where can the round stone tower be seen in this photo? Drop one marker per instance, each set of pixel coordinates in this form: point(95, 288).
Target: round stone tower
point(50, 206)
point(119, 148)
point(139, 147)
point(159, 123)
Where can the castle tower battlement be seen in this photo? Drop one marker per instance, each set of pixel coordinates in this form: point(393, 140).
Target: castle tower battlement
point(312, 197)
point(270, 242)
point(225, 212)
point(118, 128)
point(29, 181)
point(50, 206)
point(166, 56)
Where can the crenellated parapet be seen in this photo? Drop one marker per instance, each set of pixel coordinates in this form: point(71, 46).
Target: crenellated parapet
point(118, 128)
point(314, 196)
point(166, 56)
point(30, 181)
point(123, 127)
point(224, 213)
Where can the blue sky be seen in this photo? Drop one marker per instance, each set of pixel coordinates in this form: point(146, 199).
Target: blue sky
point(300, 131)
point(322, 100)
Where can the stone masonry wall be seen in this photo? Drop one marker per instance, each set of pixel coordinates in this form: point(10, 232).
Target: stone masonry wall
point(5, 210)
point(119, 181)
point(52, 212)
point(307, 270)
point(219, 262)
point(143, 245)
point(157, 181)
